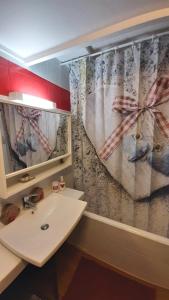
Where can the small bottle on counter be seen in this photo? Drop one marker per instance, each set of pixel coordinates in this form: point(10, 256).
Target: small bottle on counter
point(55, 186)
point(62, 183)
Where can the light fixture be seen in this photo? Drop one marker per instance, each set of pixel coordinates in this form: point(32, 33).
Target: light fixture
point(31, 100)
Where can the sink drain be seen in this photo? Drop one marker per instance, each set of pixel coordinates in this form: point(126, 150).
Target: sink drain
point(44, 226)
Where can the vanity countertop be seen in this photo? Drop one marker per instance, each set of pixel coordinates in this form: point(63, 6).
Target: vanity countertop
point(67, 192)
point(11, 265)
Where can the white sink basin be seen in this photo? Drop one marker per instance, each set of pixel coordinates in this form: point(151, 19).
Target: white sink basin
point(25, 237)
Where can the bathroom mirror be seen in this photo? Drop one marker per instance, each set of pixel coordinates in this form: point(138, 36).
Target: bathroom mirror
point(32, 136)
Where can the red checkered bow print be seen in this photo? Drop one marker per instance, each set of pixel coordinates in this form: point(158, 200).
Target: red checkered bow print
point(32, 115)
point(158, 94)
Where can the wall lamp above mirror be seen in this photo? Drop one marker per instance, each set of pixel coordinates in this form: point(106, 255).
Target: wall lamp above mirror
point(31, 100)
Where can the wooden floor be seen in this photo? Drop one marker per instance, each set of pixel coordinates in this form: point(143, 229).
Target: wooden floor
point(52, 281)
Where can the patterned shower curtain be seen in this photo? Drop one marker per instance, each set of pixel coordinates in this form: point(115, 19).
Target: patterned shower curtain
point(120, 112)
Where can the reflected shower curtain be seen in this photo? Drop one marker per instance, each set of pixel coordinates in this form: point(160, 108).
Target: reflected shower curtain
point(120, 112)
point(31, 136)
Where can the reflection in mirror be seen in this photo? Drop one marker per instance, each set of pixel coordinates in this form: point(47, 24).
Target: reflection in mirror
point(31, 136)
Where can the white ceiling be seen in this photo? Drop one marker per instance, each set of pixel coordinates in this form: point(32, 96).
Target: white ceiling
point(31, 27)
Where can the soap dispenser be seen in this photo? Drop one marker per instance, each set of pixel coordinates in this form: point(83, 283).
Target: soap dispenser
point(62, 183)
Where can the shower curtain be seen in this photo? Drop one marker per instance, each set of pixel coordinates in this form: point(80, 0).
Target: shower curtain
point(120, 130)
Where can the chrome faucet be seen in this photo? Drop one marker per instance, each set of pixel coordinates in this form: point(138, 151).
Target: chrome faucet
point(27, 201)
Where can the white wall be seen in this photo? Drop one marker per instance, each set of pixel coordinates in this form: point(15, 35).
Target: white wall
point(53, 71)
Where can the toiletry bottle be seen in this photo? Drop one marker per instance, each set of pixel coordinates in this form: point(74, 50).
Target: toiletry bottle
point(62, 183)
point(55, 186)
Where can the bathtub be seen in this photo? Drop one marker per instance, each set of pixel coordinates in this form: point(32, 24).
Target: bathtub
point(135, 252)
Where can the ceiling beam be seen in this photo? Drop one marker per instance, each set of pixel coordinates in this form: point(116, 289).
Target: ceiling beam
point(9, 53)
point(83, 40)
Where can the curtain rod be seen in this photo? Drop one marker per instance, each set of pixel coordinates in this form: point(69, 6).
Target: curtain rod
point(152, 36)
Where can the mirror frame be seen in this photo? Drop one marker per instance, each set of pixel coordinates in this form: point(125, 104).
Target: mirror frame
point(4, 100)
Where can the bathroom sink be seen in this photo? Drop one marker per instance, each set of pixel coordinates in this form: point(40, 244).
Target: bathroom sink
point(36, 235)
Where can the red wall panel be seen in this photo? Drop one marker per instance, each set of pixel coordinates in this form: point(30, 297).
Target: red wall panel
point(14, 78)
point(4, 78)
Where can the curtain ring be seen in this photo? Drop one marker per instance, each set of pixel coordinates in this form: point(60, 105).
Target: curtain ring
point(153, 37)
point(101, 55)
point(133, 45)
